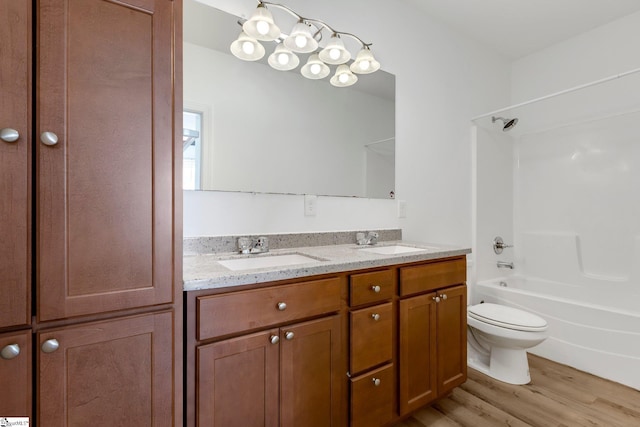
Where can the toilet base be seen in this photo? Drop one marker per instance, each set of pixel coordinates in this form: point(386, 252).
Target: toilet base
point(509, 365)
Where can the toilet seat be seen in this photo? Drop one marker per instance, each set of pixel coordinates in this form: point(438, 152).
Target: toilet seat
point(507, 317)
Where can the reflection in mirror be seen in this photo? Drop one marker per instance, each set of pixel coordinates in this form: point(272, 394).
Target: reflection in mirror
point(263, 130)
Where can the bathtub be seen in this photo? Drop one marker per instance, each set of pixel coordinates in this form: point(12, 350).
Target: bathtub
point(596, 332)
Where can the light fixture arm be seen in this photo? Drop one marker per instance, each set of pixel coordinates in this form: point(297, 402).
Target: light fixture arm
point(315, 21)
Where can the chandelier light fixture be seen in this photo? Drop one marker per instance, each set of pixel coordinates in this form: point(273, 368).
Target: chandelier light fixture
point(303, 38)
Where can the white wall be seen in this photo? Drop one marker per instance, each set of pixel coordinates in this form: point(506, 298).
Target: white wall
point(442, 80)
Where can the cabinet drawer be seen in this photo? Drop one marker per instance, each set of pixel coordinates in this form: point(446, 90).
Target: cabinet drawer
point(371, 287)
point(432, 276)
point(371, 337)
point(372, 398)
point(225, 314)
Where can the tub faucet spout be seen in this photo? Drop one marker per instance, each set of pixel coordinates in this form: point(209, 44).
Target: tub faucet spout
point(504, 264)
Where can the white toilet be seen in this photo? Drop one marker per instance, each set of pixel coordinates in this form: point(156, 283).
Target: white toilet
point(498, 339)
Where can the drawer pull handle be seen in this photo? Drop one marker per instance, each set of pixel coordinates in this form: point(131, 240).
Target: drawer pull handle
point(49, 346)
point(282, 306)
point(9, 135)
point(274, 339)
point(376, 288)
point(49, 138)
point(436, 299)
point(443, 296)
point(288, 335)
point(375, 316)
point(376, 381)
point(10, 351)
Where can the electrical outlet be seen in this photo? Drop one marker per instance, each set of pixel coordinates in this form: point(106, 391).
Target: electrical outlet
point(402, 208)
point(310, 204)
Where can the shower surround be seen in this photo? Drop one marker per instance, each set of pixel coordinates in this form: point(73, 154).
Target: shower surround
point(563, 187)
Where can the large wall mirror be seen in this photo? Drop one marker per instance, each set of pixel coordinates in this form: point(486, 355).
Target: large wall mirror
point(251, 128)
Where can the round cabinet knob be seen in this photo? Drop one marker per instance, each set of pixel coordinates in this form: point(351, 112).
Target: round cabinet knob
point(274, 339)
point(436, 299)
point(282, 306)
point(375, 288)
point(49, 138)
point(376, 381)
point(443, 296)
point(10, 351)
point(375, 316)
point(49, 346)
point(288, 335)
point(9, 135)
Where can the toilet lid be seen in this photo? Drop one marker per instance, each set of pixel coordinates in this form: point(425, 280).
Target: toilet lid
point(507, 317)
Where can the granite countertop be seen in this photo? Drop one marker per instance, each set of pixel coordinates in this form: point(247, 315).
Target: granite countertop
point(203, 271)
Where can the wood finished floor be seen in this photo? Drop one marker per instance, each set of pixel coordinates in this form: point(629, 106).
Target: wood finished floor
point(557, 396)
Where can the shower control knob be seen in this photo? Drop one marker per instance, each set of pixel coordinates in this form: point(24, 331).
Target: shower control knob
point(436, 299)
point(375, 288)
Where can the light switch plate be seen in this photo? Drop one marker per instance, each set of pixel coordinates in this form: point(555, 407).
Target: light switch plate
point(310, 204)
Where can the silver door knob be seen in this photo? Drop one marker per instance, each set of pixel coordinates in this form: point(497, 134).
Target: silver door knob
point(375, 316)
point(288, 335)
point(436, 299)
point(274, 339)
point(49, 138)
point(376, 381)
point(9, 135)
point(375, 288)
point(282, 306)
point(10, 351)
point(49, 346)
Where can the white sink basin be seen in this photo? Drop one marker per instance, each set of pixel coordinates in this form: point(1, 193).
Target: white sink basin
point(392, 249)
point(269, 261)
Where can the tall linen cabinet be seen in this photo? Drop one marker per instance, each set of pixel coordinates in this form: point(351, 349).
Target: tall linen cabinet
point(91, 201)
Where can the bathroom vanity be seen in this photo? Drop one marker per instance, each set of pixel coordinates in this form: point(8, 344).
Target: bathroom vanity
point(347, 337)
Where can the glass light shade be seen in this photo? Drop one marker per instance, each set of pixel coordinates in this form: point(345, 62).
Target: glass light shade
point(247, 48)
point(365, 63)
point(314, 68)
point(335, 53)
point(261, 25)
point(301, 39)
point(343, 77)
point(283, 59)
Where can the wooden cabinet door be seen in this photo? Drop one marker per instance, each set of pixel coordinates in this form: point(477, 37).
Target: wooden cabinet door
point(105, 189)
point(15, 163)
point(116, 372)
point(418, 355)
point(15, 374)
point(452, 338)
point(237, 381)
point(309, 374)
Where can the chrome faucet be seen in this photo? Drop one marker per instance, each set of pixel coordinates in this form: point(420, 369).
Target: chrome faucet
point(247, 245)
point(370, 239)
point(504, 264)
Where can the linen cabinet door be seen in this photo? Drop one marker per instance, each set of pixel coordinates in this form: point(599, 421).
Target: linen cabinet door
point(15, 163)
point(310, 384)
point(15, 372)
point(237, 381)
point(104, 155)
point(110, 373)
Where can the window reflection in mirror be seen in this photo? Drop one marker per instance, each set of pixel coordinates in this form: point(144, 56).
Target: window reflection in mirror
point(191, 150)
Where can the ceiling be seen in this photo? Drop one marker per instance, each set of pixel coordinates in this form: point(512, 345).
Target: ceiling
point(517, 28)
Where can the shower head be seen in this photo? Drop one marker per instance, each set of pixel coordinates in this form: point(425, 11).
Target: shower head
point(508, 123)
